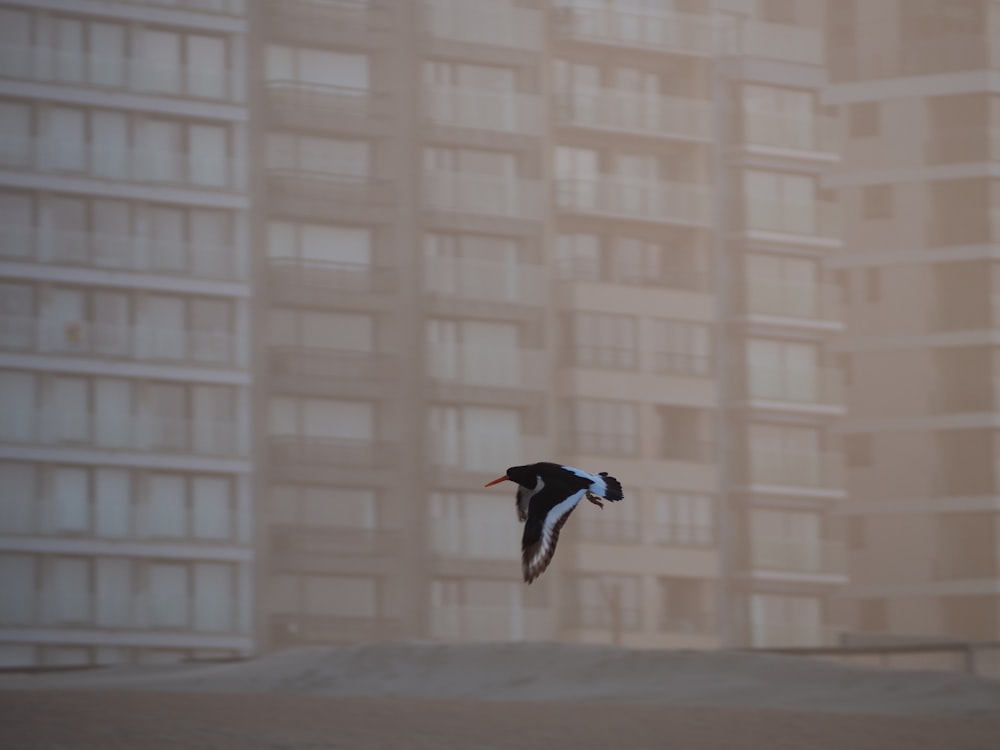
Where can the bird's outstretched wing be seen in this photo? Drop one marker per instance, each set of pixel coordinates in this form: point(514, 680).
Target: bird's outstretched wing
point(547, 513)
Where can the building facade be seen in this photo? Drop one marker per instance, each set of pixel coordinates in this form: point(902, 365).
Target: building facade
point(126, 515)
point(913, 83)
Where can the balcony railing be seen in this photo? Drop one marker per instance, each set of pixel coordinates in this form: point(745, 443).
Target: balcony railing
point(482, 365)
point(450, 537)
point(483, 109)
point(312, 363)
point(485, 195)
point(290, 450)
point(300, 104)
point(817, 556)
point(494, 24)
point(775, 41)
point(120, 252)
point(49, 65)
point(222, 7)
point(132, 432)
point(681, 33)
point(310, 20)
point(483, 280)
point(815, 470)
point(681, 534)
point(473, 452)
point(329, 276)
point(601, 443)
point(684, 364)
point(819, 385)
point(812, 218)
point(121, 341)
point(682, 448)
point(311, 541)
point(298, 191)
point(961, 145)
point(660, 202)
point(812, 301)
point(796, 133)
point(610, 532)
point(946, 53)
point(635, 112)
point(469, 622)
point(125, 164)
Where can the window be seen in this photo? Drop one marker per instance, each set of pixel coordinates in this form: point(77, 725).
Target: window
point(858, 450)
point(783, 285)
point(601, 427)
point(474, 352)
point(114, 587)
point(214, 597)
point(682, 347)
point(168, 592)
point(780, 202)
point(474, 438)
point(578, 257)
point(877, 201)
point(16, 222)
point(320, 245)
point(780, 620)
point(602, 340)
point(783, 370)
point(19, 574)
point(863, 119)
point(17, 404)
point(68, 500)
point(212, 513)
point(461, 522)
point(317, 68)
point(18, 501)
point(873, 284)
point(314, 154)
point(765, 107)
point(683, 519)
point(687, 434)
point(15, 123)
point(17, 317)
point(321, 506)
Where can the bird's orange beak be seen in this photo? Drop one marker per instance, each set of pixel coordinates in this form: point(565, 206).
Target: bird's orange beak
point(496, 481)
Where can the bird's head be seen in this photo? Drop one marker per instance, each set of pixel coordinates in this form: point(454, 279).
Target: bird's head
point(526, 476)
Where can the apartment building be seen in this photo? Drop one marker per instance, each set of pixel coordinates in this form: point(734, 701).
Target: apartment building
point(489, 234)
point(918, 184)
point(125, 467)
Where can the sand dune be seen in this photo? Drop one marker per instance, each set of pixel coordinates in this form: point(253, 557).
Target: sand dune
point(556, 672)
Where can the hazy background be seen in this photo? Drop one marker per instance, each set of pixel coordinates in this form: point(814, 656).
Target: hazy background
point(282, 284)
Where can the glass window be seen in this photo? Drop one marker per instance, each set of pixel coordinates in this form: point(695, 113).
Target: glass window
point(107, 58)
point(206, 66)
point(113, 412)
point(20, 587)
point(113, 589)
point(578, 257)
point(168, 248)
point(160, 52)
point(210, 331)
point(15, 124)
point(69, 57)
point(17, 318)
point(167, 595)
point(18, 499)
point(683, 518)
point(212, 252)
point(605, 341)
point(165, 507)
point(113, 244)
point(111, 323)
point(163, 416)
point(112, 503)
point(66, 414)
point(683, 347)
point(68, 582)
point(109, 145)
point(66, 146)
point(214, 424)
point(214, 600)
point(208, 155)
point(162, 145)
point(164, 323)
point(17, 404)
point(16, 225)
point(601, 426)
point(69, 500)
point(211, 511)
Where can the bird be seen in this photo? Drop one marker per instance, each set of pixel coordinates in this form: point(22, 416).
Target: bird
point(546, 494)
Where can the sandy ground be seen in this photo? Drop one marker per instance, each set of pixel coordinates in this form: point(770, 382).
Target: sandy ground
point(191, 721)
point(483, 696)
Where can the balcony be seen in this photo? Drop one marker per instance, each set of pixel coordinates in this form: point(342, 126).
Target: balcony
point(484, 196)
point(808, 302)
point(947, 53)
point(120, 252)
point(820, 557)
point(635, 113)
point(48, 65)
point(302, 281)
point(124, 432)
point(815, 471)
point(618, 197)
point(963, 145)
point(610, 532)
point(303, 458)
point(774, 41)
point(450, 537)
point(689, 449)
point(489, 24)
point(297, 105)
point(509, 112)
point(314, 548)
point(329, 372)
point(814, 219)
point(468, 622)
point(665, 32)
point(680, 534)
point(815, 134)
point(351, 24)
point(220, 7)
point(122, 164)
point(148, 343)
point(486, 367)
point(460, 457)
point(300, 630)
point(818, 386)
point(328, 196)
point(479, 281)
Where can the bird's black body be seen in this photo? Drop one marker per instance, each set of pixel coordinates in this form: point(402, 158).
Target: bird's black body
point(546, 495)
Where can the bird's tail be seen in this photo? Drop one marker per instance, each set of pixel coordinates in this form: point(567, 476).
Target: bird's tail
point(613, 492)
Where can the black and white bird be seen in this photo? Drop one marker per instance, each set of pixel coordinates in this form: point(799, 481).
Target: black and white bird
point(546, 494)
